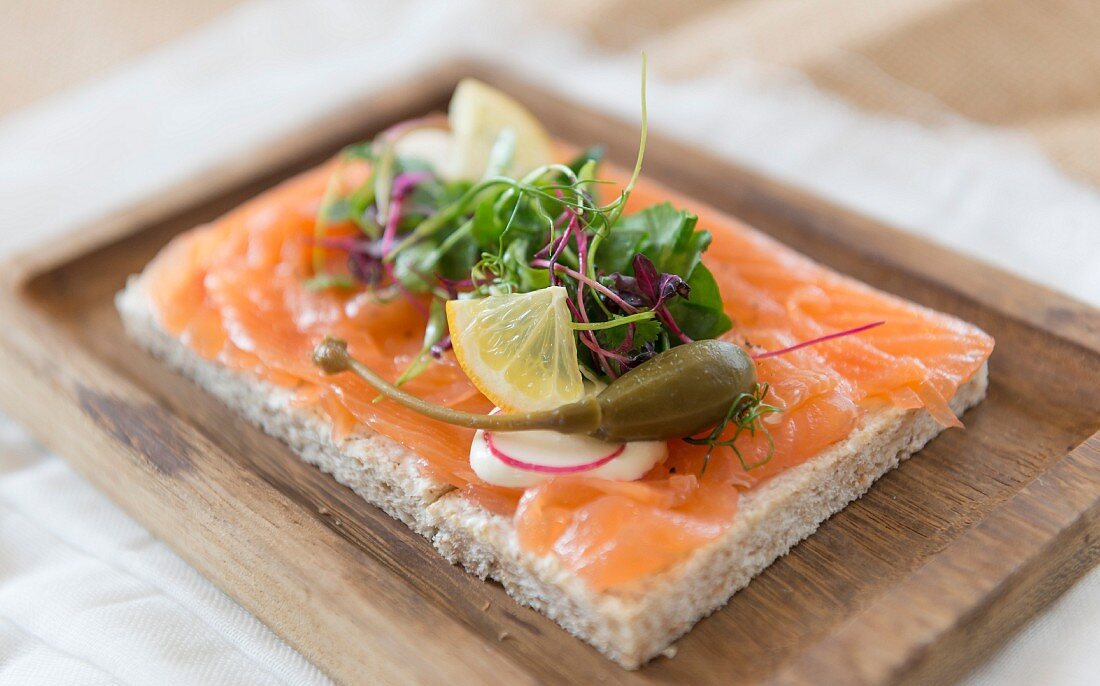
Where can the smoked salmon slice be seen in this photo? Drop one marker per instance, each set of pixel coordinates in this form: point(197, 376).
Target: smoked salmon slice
point(233, 291)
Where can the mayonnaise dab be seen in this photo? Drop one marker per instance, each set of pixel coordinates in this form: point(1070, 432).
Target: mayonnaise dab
point(553, 449)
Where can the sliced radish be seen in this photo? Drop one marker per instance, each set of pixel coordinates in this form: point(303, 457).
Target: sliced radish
point(548, 469)
point(520, 459)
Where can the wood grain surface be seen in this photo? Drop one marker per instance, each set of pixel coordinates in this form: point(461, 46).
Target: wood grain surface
point(917, 580)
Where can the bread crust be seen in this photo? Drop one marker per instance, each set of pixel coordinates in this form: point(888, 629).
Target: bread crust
point(631, 624)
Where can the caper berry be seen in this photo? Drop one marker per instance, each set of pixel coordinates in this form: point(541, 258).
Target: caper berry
point(677, 393)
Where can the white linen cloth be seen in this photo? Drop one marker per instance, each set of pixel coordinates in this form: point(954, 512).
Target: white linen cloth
point(88, 597)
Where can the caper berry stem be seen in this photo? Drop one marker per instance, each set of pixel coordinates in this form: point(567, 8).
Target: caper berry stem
point(332, 356)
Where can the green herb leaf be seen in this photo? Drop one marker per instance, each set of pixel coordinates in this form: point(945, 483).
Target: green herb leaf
point(337, 211)
point(645, 332)
point(701, 315)
point(619, 248)
point(414, 266)
point(457, 254)
point(488, 227)
point(664, 234)
point(525, 278)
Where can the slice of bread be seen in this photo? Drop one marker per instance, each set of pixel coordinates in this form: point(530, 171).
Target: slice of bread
point(629, 625)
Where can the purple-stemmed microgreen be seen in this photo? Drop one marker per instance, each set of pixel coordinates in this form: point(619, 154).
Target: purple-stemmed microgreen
point(815, 341)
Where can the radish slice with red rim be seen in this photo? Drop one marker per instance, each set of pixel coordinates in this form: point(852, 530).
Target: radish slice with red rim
point(520, 459)
point(549, 469)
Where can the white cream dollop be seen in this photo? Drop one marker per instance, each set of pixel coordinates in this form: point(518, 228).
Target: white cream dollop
point(553, 449)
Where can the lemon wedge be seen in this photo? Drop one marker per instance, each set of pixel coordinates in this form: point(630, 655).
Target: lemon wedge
point(479, 114)
point(518, 349)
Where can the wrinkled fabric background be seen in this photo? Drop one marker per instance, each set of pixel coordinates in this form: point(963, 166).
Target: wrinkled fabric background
point(88, 597)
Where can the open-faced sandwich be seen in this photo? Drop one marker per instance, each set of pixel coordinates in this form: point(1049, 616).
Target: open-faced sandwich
point(619, 403)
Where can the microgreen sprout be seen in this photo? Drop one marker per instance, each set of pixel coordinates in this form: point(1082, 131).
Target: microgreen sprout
point(636, 284)
point(815, 341)
point(745, 414)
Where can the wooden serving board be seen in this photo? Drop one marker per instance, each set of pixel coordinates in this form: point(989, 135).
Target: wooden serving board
point(916, 581)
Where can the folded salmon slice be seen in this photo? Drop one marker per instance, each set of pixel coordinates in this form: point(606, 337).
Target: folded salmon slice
point(233, 292)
